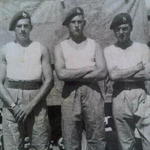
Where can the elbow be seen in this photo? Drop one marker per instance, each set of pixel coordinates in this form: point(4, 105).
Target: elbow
point(114, 76)
point(61, 75)
point(49, 83)
point(102, 74)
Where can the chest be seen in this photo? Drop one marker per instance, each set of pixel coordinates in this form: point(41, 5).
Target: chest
point(128, 58)
point(23, 55)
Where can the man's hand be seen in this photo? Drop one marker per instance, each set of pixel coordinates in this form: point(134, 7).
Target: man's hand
point(140, 66)
point(90, 68)
point(21, 114)
point(27, 110)
point(17, 112)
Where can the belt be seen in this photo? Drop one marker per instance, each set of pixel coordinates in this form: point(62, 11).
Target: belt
point(23, 84)
point(120, 86)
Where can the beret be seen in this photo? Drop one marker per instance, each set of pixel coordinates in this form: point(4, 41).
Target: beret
point(19, 15)
point(121, 18)
point(72, 13)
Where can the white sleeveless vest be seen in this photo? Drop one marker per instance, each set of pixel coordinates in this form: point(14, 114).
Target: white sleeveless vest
point(23, 63)
point(79, 55)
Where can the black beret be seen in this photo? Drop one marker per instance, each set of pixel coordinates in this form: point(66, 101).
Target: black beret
point(122, 18)
point(19, 15)
point(72, 13)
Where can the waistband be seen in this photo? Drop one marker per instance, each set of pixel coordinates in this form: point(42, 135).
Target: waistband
point(78, 83)
point(23, 84)
point(120, 86)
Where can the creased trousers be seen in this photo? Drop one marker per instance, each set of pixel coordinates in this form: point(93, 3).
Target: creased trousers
point(83, 109)
point(131, 109)
point(36, 127)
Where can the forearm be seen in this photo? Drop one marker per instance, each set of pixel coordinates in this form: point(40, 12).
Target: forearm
point(141, 75)
point(97, 74)
point(123, 74)
point(5, 96)
point(43, 92)
point(72, 74)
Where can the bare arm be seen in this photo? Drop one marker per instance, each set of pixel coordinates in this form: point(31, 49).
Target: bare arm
point(47, 78)
point(68, 74)
point(125, 74)
point(4, 94)
point(144, 74)
point(100, 70)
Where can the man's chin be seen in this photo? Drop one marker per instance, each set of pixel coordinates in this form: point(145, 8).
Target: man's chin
point(23, 38)
point(123, 40)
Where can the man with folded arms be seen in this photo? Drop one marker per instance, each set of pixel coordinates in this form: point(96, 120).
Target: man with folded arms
point(79, 61)
point(128, 67)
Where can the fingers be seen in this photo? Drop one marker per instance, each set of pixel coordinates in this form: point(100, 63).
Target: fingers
point(19, 114)
point(24, 118)
point(19, 117)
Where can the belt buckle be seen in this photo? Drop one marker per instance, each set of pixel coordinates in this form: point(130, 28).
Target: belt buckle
point(127, 86)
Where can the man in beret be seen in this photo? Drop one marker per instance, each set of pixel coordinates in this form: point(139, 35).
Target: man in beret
point(80, 63)
point(128, 65)
point(25, 81)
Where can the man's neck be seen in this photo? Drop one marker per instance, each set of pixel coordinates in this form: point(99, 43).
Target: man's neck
point(78, 39)
point(24, 43)
point(124, 45)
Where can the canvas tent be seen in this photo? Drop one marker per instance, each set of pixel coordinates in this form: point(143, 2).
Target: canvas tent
point(47, 16)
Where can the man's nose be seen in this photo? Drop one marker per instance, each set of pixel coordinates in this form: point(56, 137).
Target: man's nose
point(76, 24)
point(22, 28)
point(121, 31)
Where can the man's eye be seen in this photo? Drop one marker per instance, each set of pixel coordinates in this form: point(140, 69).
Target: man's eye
point(79, 22)
point(18, 26)
point(125, 28)
point(72, 21)
point(26, 26)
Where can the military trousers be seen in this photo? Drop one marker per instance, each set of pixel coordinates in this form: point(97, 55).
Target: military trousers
point(36, 126)
point(131, 109)
point(83, 110)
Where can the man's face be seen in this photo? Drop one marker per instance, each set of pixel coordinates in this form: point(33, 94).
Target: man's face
point(76, 26)
point(122, 32)
point(23, 29)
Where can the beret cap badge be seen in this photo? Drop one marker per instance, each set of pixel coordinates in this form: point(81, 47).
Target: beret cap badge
point(24, 14)
point(124, 19)
point(78, 10)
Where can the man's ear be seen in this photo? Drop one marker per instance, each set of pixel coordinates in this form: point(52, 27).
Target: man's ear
point(31, 27)
point(84, 22)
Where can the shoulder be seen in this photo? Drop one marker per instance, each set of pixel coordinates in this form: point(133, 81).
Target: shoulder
point(8, 46)
point(60, 45)
point(110, 49)
point(141, 45)
point(43, 49)
point(92, 41)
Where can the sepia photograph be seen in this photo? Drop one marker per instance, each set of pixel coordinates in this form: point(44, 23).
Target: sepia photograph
point(74, 74)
